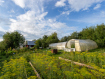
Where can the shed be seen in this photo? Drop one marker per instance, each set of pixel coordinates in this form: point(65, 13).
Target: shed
point(78, 44)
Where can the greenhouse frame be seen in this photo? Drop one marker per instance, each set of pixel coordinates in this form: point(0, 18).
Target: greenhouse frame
point(75, 45)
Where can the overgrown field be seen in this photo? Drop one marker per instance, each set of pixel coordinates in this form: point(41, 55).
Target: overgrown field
point(49, 66)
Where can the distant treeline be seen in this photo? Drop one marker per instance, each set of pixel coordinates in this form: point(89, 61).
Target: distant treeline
point(96, 33)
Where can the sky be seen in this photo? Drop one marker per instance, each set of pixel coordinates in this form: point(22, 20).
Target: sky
point(35, 18)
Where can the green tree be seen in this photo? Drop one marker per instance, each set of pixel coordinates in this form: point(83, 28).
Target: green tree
point(38, 43)
point(100, 35)
point(13, 39)
point(63, 39)
point(87, 33)
point(44, 42)
point(74, 35)
point(52, 38)
point(2, 45)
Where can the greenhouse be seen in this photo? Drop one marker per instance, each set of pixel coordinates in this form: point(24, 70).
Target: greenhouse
point(59, 46)
point(75, 45)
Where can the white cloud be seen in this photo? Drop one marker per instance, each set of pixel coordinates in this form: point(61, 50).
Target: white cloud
point(3, 30)
point(77, 5)
point(20, 3)
point(60, 3)
point(1, 2)
point(66, 12)
point(37, 25)
point(12, 11)
point(33, 24)
point(1, 39)
point(97, 6)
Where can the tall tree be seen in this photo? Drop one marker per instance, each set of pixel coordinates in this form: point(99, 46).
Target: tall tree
point(13, 39)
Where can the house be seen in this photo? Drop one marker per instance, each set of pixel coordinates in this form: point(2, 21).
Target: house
point(29, 44)
point(75, 44)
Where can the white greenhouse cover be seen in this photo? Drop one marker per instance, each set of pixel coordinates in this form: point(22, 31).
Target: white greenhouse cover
point(79, 44)
point(59, 46)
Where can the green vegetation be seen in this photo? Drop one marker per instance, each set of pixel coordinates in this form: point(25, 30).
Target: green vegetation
point(14, 63)
point(49, 66)
point(16, 66)
point(46, 40)
point(12, 40)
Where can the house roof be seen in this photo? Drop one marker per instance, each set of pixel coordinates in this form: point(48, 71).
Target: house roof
point(29, 43)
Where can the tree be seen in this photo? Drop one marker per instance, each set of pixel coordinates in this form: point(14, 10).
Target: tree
point(13, 39)
point(44, 42)
point(38, 43)
point(74, 35)
point(52, 38)
point(63, 39)
point(2, 45)
point(100, 35)
point(87, 33)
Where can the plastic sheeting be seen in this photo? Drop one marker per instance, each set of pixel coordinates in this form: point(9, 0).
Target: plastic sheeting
point(79, 45)
point(82, 45)
point(59, 46)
